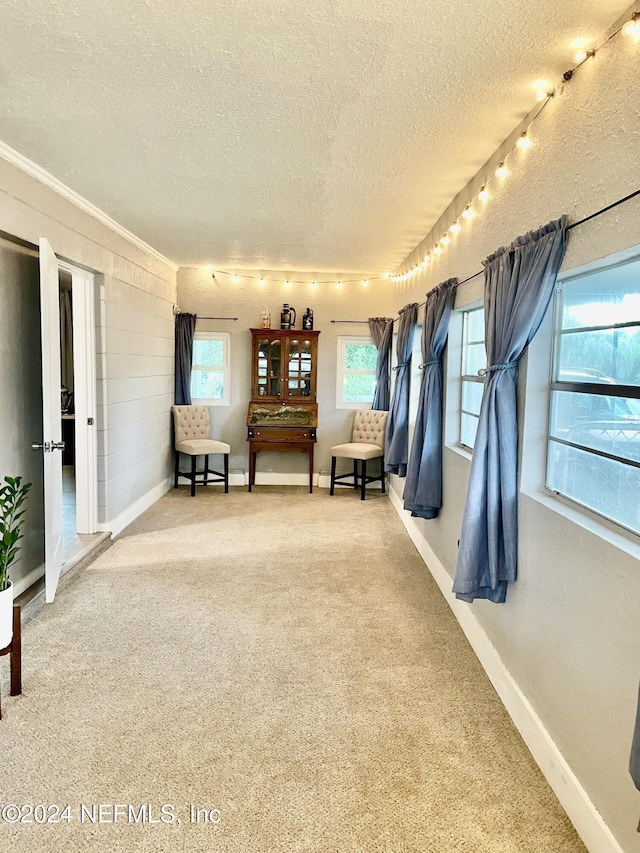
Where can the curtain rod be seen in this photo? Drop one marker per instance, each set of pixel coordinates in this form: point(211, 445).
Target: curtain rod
point(349, 321)
point(569, 227)
point(198, 317)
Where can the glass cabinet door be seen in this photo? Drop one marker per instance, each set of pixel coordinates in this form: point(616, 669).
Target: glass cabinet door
point(269, 367)
point(299, 367)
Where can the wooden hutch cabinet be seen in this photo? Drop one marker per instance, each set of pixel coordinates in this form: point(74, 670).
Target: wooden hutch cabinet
point(283, 413)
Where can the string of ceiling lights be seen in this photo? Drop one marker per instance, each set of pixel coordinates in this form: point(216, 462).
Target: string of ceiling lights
point(545, 93)
point(289, 282)
point(524, 142)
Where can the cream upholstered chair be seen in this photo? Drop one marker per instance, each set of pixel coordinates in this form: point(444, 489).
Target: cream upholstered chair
point(367, 442)
point(193, 438)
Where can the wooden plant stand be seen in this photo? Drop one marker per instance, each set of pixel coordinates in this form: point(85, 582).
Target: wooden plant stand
point(14, 649)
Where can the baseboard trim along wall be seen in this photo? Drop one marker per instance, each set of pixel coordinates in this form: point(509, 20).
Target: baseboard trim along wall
point(588, 822)
point(117, 525)
point(28, 580)
point(270, 478)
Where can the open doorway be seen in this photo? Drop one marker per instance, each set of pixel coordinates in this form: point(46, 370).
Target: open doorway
point(77, 412)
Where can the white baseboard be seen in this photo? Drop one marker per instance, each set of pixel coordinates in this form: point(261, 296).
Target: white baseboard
point(117, 525)
point(270, 478)
point(588, 822)
point(28, 580)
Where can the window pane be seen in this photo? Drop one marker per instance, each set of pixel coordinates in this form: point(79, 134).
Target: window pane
point(360, 356)
point(608, 356)
point(609, 424)
point(207, 384)
point(475, 358)
point(475, 325)
point(472, 396)
point(208, 353)
point(468, 429)
point(603, 298)
point(609, 487)
point(358, 388)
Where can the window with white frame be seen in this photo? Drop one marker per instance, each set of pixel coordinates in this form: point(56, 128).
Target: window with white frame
point(210, 369)
point(356, 378)
point(593, 454)
point(471, 386)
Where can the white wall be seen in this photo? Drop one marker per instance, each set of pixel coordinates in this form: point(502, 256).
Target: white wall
point(569, 632)
point(200, 294)
point(135, 291)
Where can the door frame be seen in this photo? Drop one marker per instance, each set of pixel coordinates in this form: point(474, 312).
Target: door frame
point(84, 395)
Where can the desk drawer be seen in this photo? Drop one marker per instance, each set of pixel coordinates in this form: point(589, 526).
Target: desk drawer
point(282, 433)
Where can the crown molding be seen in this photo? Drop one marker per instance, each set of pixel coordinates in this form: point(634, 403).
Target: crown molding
point(30, 168)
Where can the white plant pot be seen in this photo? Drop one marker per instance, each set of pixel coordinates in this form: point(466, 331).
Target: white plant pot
point(6, 616)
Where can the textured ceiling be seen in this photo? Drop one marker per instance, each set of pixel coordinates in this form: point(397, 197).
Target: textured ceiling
point(291, 134)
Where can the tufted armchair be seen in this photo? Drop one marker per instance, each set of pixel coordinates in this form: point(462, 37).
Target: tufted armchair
point(367, 442)
point(193, 438)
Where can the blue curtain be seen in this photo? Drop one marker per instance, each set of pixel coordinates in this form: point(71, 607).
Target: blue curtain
point(185, 327)
point(381, 329)
point(397, 436)
point(423, 489)
point(519, 282)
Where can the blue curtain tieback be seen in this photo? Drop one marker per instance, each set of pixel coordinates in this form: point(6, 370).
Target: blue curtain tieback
point(402, 364)
point(428, 363)
point(492, 368)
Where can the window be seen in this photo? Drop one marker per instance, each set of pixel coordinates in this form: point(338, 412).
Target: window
point(210, 369)
point(356, 380)
point(473, 359)
point(593, 454)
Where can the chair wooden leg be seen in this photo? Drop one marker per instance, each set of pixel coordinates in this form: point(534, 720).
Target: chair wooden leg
point(383, 477)
point(16, 654)
point(194, 459)
point(175, 482)
point(364, 479)
point(226, 473)
point(206, 469)
point(333, 475)
point(355, 474)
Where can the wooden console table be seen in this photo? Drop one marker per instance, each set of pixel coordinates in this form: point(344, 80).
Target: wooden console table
point(14, 649)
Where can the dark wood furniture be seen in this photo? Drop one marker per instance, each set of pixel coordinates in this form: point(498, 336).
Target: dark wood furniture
point(283, 413)
point(14, 649)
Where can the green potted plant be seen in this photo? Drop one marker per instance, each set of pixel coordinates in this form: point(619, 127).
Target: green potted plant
point(13, 493)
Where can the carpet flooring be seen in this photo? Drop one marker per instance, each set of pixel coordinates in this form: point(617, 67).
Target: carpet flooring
point(278, 665)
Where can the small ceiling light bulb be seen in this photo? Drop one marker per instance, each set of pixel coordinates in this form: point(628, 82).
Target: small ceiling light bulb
point(455, 227)
point(235, 279)
point(524, 142)
point(365, 283)
point(445, 239)
point(632, 27)
point(483, 195)
point(339, 285)
point(542, 94)
point(580, 55)
point(502, 171)
point(426, 259)
point(261, 282)
point(287, 284)
point(313, 285)
point(436, 249)
point(468, 213)
point(387, 274)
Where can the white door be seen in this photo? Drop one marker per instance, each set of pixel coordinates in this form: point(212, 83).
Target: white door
point(52, 422)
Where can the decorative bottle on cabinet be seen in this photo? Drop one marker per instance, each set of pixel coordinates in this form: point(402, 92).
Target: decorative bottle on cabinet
point(307, 320)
